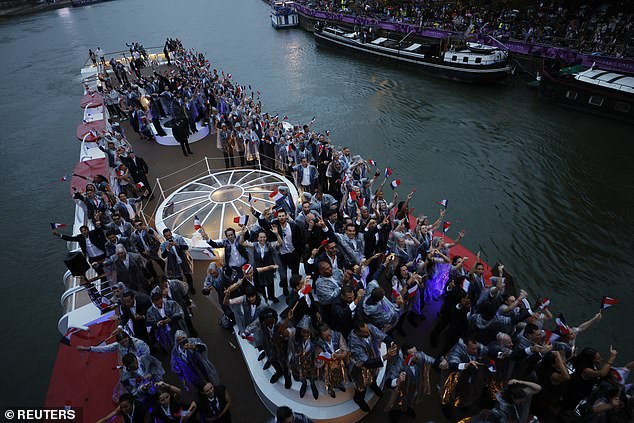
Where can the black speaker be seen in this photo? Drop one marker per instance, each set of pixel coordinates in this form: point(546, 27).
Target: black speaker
point(76, 263)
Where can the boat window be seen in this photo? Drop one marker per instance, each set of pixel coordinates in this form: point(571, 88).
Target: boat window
point(465, 59)
point(622, 107)
point(478, 60)
point(595, 100)
point(454, 58)
point(572, 95)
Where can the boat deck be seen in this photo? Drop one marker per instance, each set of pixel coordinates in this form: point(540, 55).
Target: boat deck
point(224, 351)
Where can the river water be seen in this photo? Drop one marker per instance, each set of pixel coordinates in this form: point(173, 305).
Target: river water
point(546, 190)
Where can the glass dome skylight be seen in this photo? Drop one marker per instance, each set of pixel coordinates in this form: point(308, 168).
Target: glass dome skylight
point(216, 199)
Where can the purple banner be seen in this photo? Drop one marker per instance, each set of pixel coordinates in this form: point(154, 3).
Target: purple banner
point(514, 46)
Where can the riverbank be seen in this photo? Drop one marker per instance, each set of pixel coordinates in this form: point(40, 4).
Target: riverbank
point(527, 51)
point(18, 8)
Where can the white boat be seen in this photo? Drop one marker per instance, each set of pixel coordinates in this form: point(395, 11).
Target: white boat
point(284, 15)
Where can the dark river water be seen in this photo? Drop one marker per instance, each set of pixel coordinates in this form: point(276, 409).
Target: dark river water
point(546, 190)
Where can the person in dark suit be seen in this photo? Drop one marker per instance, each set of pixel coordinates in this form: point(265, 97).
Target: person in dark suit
point(93, 202)
point(215, 404)
point(286, 202)
point(138, 169)
point(290, 248)
point(302, 304)
point(344, 310)
point(134, 307)
point(180, 131)
point(231, 245)
point(92, 243)
point(332, 255)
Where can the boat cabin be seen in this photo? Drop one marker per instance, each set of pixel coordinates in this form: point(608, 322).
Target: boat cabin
point(284, 15)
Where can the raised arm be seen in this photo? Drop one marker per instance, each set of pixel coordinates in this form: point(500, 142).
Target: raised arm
point(586, 325)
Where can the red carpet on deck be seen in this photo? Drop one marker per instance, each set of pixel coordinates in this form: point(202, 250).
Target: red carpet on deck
point(82, 379)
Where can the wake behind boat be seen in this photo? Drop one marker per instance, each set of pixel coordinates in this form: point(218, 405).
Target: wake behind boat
point(475, 63)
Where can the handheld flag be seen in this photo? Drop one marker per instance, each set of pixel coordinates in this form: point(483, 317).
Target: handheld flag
point(241, 220)
point(308, 288)
point(443, 203)
point(353, 195)
point(285, 117)
point(57, 225)
point(411, 292)
point(140, 185)
point(275, 195)
point(408, 361)
point(324, 356)
point(250, 198)
point(197, 223)
point(209, 252)
point(395, 293)
point(564, 329)
point(247, 335)
point(65, 178)
point(311, 121)
point(545, 302)
point(607, 302)
point(372, 162)
point(388, 172)
point(395, 184)
point(491, 366)
point(445, 226)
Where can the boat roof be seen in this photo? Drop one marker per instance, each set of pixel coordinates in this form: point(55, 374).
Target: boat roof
point(608, 79)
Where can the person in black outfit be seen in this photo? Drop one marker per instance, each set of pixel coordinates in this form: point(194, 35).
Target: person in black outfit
point(180, 130)
point(343, 314)
point(130, 411)
point(134, 307)
point(215, 404)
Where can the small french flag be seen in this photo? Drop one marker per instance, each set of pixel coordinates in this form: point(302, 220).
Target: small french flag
point(311, 121)
point(64, 178)
point(445, 226)
point(353, 195)
point(245, 334)
point(395, 184)
point(250, 198)
point(241, 220)
point(140, 185)
point(491, 366)
point(57, 225)
point(607, 302)
point(561, 323)
point(324, 356)
point(285, 117)
point(290, 148)
point(395, 293)
point(275, 195)
point(545, 302)
point(443, 202)
point(411, 292)
point(307, 289)
point(409, 359)
point(372, 162)
point(209, 252)
point(361, 201)
point(388, 172)
point(197, 223)
point(327, 133)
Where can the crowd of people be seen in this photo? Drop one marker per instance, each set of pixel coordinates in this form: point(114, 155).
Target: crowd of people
point(604, 28)
point(356, 269)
